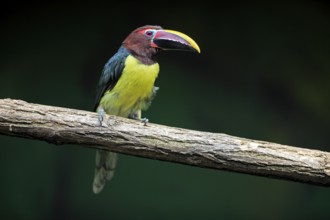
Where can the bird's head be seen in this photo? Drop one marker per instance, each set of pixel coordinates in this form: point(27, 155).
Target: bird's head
point(145, 42)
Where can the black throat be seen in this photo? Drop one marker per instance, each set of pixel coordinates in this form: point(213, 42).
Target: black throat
point(147, 56)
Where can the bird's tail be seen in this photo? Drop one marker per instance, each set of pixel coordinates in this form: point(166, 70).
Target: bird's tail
point(104, 169)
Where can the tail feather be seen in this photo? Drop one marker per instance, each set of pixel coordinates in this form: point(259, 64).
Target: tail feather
point(104, 170)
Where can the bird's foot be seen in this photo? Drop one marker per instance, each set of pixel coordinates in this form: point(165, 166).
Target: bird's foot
point(137, 116)
point(144, 121)
point(101, 114)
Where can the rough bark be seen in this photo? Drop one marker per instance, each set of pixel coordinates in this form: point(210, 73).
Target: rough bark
point(203, 149)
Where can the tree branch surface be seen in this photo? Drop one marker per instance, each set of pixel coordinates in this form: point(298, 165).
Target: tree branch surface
point(59, 126)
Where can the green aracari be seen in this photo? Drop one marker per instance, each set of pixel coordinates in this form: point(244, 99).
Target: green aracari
point(126, 85)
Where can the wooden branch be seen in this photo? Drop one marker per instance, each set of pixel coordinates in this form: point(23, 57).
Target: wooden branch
point(203, 149)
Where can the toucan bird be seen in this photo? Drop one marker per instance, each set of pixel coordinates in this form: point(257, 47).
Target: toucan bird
point(126, 85)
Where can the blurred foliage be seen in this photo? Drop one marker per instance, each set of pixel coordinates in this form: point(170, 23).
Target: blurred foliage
point(263, 73)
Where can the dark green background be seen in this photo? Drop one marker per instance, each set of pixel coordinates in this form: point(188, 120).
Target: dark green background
point(263, 73)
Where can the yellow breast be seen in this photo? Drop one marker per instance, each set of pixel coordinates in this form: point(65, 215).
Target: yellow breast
point(133, 89)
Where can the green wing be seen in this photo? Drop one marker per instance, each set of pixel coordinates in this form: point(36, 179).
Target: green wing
point(110, 74)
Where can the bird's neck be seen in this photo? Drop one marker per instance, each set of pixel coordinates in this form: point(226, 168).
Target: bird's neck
point(145, 59)
point(146, 56)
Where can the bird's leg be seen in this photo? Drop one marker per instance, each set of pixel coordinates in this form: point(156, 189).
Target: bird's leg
point(101, 113)
point(137, 116)
point(144, 121)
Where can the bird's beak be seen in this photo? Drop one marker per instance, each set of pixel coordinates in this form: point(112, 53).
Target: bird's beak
point(174, 40)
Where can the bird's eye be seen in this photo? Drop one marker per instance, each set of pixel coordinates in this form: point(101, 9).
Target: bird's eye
point(149, 33)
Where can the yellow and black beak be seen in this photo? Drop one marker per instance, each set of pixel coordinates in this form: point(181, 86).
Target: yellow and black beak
point(174, 40)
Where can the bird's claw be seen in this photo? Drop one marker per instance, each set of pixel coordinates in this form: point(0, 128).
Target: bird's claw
point(101, 114)
point(144, 121)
